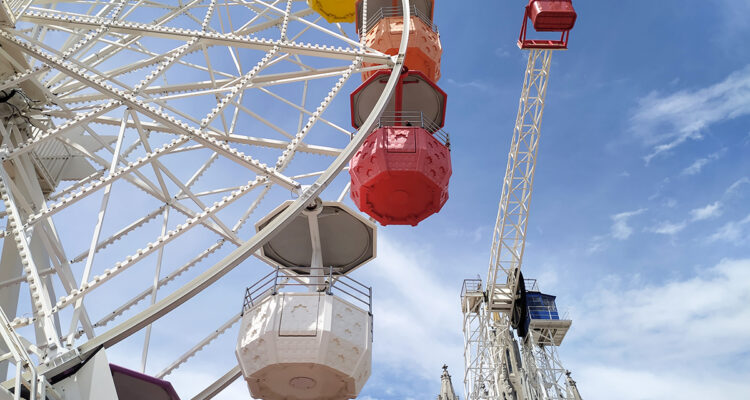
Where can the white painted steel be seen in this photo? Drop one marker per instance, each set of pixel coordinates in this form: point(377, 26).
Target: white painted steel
point(92, 382)
point(110, 98)
point(316, 338)
point(494, 368)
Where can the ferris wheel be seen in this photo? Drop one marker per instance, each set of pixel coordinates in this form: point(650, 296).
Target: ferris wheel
point(142, 141)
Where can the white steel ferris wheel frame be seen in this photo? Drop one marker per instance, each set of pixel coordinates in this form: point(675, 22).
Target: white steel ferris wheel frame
point(71, 76)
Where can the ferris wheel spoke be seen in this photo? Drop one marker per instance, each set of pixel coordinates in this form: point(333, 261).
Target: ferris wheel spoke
point(121, 233)
point(113, 49)
point(304, 112)
point(98, 227)
point(212, 38)
point(76, 185)
point(191, 89)
point(141, 253)
point(102, 182)
point(248, 28)
point(157, 115)
point(355, 44)
point(260, 12)
point(220, 384)
point(237, 138)
point(156, 165)
point(288, 154)
point(185, 190)
point(51, 242)
point(154, 291)
point(199, 346)
point(72, 46)
point(208, 192)
point(238, 87)
point(23, 76)
point(171, 276)
point(162, 282)
point(41, 302)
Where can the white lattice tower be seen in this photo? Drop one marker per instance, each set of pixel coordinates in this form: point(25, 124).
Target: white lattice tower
point(487, 325)
point(509, 235)
point(477, 360)
point(487, 337)
point(545, 368)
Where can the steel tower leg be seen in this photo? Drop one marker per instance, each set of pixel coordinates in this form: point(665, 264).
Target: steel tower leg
point(550, 380)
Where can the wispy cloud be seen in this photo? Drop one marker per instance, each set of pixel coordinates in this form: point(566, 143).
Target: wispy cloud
point(620, 227)
point(668, 228)
point(737, 184)
point(733, 232)
point(415, 312)
point(473, 84)
point(656, 334)
point(473, 235)
point(619, 230)
point(735, 13)
point(664, 121)
point(502, 52)
point(712, 210)
point(605, 381)
point(698, 164)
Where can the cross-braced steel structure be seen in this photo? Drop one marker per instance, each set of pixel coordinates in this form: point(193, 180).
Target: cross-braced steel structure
point(138, 139)
point(495, 369)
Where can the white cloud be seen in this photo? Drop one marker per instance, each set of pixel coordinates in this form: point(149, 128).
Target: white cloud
point(668, 228)
point(698, 165)
point(620, 228)
point(612, 383)
point(473, 84)
point(734, 12)
point(417, 317)
point(732, 231)
point(474, 235)
point(666, 121)
point(712, 210)
point(597, 243)
point(676, 339)
point(502, 52)
point(737, 184)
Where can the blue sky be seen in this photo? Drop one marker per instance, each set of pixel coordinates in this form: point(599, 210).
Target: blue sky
point(640, 221)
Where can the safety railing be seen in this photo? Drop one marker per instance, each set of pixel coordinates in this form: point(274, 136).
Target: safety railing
point(471, 295)
point(281, 280)
point(531, 285)
point(395, 11)
point(414, 118)
point(471, 287)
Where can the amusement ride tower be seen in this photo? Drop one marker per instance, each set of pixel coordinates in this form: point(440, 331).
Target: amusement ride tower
point(508, 309)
